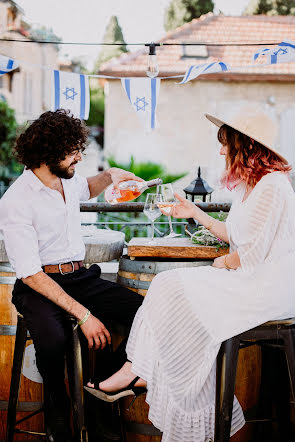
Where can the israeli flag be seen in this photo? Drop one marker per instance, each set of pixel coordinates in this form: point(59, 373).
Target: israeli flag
point(143, 96)
point(284, 52)
point(7, 64)
point(206, 68)
point(71, 91)
point(257, 54)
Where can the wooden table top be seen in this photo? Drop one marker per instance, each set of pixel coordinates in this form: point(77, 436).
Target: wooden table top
point(172, 248)
point(101, 245)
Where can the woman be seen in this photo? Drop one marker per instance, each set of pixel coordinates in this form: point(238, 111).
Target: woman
point(188, 313)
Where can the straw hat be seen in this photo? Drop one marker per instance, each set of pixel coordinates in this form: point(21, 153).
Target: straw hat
point(254, 123)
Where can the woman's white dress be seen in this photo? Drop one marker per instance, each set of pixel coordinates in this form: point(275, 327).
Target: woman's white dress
point(187, 313)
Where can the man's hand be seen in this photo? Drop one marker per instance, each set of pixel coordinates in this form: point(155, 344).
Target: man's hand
point(219, 262)
point(118, 175)
point(186, 209)
point(96, 333)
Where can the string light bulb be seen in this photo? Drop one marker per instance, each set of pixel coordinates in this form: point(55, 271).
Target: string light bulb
point(152, 66)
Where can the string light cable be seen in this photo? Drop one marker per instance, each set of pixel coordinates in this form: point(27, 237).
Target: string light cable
point(142, 44)
point(152, 65)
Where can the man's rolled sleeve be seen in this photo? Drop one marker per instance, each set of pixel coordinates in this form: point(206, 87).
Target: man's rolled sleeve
point(21, 242)
point(83, 188)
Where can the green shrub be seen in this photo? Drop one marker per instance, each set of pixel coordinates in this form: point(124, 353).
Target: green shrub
point(9, 167)
point(146, 170)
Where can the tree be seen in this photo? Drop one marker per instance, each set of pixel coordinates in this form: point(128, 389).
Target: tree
point(270, 7)
point(96, 114)
point(184, 11)
point(8, 126)
point(113, 34)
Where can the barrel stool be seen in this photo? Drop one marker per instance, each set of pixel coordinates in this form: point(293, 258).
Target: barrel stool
point(74, 370)
point(280, 333)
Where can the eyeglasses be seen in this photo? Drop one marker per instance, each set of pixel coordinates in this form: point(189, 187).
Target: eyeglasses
point(76, 152)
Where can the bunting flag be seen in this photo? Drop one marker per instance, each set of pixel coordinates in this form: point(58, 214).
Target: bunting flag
point(143, 96)
point(257, 54)
point(71, 91)
point(284, 52)
point(206, 68)
point(7, 64)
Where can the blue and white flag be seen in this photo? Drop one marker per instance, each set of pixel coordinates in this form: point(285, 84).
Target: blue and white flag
point(257, 54)
point(143, 96)
point(207, 68)
point(284, 52)
point(71, 91)
point(7, 64)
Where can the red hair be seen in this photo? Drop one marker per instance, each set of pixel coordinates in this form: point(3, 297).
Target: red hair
point(247, 160)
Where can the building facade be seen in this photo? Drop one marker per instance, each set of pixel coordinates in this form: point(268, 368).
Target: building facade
point(27, 89)
point(185, 139)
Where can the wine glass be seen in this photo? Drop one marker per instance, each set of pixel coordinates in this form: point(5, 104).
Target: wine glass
point(152, 210)
point(169, 201)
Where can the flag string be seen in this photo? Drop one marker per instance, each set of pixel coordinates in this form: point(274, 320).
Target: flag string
point(47, 68)
point(270, 43)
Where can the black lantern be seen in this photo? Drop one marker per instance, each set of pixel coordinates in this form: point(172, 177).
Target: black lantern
point(198, 188)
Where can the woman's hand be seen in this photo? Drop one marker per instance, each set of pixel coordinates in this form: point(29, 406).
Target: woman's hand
point(219, 262)
point(186, 209)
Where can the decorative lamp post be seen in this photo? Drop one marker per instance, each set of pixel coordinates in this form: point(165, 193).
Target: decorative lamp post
point(198, 188)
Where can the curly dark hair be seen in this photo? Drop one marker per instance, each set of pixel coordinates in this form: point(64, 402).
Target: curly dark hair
point(50, 138)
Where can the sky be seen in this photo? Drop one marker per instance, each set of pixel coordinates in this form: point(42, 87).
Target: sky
point(85, 21)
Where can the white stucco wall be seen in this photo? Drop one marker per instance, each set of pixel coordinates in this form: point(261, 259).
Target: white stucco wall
point(185, 138)
point(31, 86)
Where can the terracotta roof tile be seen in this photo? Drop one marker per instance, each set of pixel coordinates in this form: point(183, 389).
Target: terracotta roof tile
point(212, 28)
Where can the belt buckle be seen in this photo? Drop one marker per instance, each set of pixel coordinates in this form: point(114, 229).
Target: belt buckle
point(66, 273)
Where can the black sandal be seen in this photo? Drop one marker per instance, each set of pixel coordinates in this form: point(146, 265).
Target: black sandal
point(112, 396)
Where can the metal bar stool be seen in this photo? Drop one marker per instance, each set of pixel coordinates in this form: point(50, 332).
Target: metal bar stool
point(282, 333)
point(74, 369)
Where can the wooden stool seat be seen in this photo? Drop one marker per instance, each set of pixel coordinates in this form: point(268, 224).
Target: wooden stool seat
point(279, 332)
point(74, 369)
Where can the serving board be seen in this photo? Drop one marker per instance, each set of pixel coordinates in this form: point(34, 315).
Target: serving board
point(172, 248)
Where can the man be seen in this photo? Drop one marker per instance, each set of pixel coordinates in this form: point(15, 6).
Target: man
point(40, 220)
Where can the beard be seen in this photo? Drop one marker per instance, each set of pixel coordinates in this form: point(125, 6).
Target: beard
point(62, 171)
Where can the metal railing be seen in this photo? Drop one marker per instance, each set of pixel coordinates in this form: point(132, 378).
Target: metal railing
point(138, 207)
point(115, 220)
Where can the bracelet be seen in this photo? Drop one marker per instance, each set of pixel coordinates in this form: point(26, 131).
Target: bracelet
point(79, 323)
point(225, 263)
point(210, 225)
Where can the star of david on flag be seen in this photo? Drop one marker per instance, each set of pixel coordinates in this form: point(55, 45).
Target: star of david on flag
point(7, 64)
point(207, 68)
point(284, 52)
point(143, 95)
point(71, 91)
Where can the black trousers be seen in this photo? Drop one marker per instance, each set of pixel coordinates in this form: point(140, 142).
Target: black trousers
point(49, 327)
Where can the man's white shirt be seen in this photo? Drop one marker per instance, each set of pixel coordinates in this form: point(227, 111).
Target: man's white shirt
point(39, 227)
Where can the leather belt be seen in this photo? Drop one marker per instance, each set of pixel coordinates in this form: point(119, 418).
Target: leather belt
point(63, 268)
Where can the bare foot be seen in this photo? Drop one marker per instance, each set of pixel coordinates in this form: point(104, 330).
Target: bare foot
point(119, 380)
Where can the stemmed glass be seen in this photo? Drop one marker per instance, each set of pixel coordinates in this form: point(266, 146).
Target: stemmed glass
point(169, 201)
point(152, 209)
